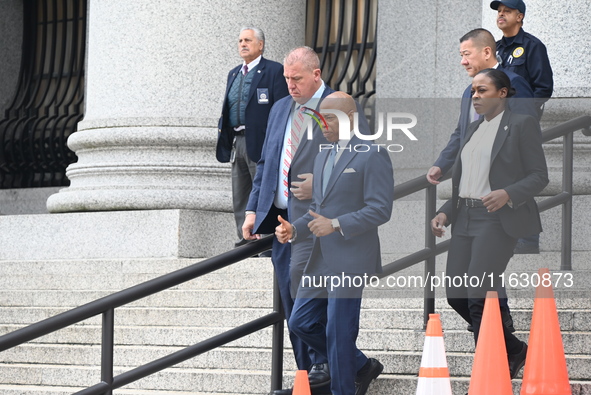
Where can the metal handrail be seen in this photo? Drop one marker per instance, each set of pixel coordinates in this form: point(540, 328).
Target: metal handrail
point(106, 305)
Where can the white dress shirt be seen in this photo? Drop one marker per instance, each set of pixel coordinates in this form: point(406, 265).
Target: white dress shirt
point(476, 158)
point(280, 198)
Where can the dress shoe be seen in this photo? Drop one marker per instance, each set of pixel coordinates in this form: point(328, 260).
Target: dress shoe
point(368, 372)
point(517, 361)
point(319, 379)
point(319, 375)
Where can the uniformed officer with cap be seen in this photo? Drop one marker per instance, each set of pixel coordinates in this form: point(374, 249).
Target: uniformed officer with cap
point(526, 55)
point(521, 52)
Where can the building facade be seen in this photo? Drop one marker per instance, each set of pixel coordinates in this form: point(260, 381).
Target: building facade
point(139, 109)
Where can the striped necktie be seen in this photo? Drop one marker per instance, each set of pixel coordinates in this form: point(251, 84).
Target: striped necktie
point(293, 142)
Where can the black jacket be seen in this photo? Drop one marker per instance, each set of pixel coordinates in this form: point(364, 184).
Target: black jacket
point(518, 165)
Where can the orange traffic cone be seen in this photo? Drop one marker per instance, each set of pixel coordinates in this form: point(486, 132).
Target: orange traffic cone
point(490, 371)
point(301, 386)
point(545, 365)
point(433, 373)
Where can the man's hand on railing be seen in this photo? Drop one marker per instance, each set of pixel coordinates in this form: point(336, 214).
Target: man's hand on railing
point(438, 223)
point(434, 174)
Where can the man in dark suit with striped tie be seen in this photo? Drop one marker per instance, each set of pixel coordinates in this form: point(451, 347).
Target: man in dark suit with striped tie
point(283, 186)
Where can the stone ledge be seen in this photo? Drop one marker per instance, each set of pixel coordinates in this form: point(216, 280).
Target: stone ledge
point(116, 234)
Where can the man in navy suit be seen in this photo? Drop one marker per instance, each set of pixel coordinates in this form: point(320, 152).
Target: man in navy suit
point(353, 192)
point(283, 186)
point(478, 51)
point(251, 90)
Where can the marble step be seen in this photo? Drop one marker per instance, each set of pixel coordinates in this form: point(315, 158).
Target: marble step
point(570, 320)
point(240, 359)
point(226, 381)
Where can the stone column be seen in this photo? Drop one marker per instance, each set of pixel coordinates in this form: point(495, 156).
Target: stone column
point(419, 72)
point(155, 80)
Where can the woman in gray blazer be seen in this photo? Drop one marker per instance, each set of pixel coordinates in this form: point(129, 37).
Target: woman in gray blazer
point(498, 171)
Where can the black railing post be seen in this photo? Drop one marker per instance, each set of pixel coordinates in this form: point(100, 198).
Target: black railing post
point(277, 342)
point(107, 345)
point(429, 293)
point(567, 207)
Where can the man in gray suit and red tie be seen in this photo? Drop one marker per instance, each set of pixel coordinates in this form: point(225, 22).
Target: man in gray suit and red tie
point(353, 192)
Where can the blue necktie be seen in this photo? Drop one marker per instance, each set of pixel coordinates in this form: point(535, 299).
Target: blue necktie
point(328, 168)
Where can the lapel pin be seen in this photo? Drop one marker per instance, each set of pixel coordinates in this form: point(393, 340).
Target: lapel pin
point(258, 71)
point(506, 127)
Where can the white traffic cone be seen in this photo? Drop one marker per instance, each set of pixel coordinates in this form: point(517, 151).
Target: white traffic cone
point(434, 374)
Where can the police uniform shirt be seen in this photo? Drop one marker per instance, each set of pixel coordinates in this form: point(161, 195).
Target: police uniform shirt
point(527, 56)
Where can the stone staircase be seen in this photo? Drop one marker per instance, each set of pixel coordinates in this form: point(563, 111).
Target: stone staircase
point(391, 323)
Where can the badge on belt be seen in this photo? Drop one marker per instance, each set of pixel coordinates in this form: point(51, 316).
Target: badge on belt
point(263, 95)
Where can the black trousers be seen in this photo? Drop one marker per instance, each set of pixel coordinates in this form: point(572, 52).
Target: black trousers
point(479, 252)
